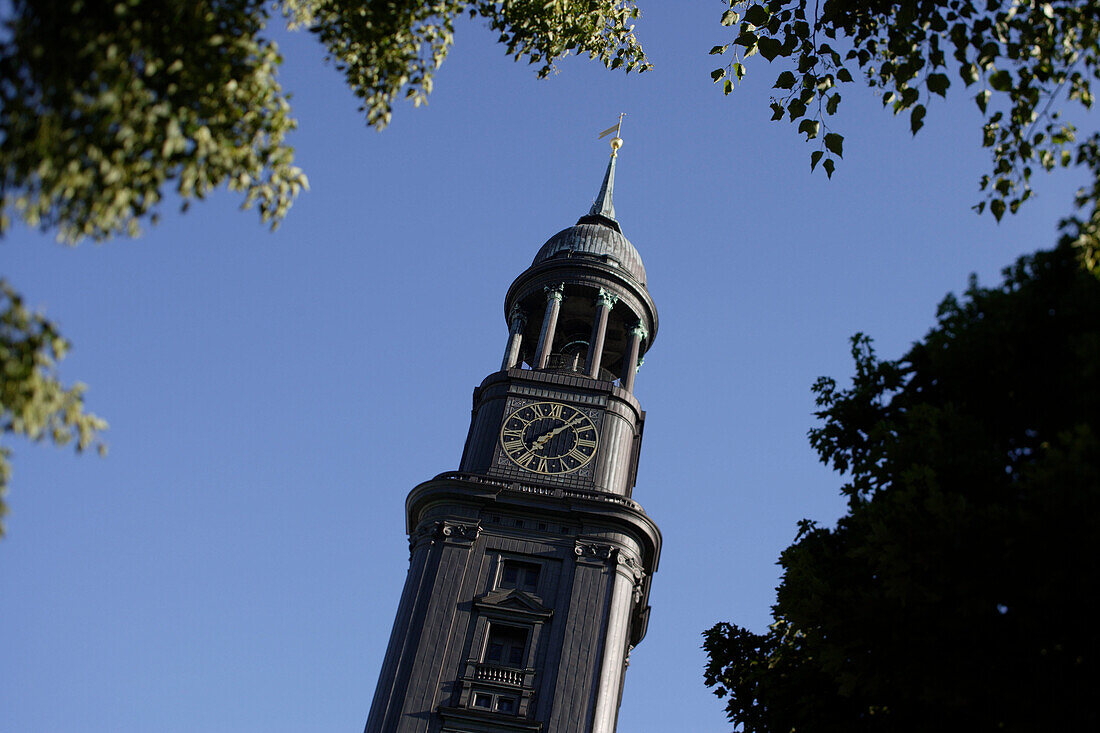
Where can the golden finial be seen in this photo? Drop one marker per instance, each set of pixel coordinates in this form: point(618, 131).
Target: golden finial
point(617, 141)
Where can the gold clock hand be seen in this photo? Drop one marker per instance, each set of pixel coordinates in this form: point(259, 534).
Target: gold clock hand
point(545, 438)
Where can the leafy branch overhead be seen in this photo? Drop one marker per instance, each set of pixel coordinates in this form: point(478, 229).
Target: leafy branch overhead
point(1024, 63)
point(390, 49)
point(107, 106)
point(35, 403)
point(104, 106)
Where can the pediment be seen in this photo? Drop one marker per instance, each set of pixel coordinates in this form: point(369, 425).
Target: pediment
point(514, 601)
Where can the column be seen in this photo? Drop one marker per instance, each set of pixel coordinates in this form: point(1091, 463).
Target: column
point(554, 295)
point(613, 665)
point(638, 334)
point(605, 301)
point(517, 319)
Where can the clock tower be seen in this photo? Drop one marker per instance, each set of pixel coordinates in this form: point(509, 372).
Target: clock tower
point(530, 566)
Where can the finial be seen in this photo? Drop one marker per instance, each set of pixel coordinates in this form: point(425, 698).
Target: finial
point(617, 141)
point(603, 206)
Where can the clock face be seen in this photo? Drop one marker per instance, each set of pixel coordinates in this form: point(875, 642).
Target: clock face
point(549, 438)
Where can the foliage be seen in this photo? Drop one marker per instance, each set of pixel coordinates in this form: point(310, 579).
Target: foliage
point(105, 104)
point(956, 591)
point(1026, 61)
point(389, 48)
point(33, 402)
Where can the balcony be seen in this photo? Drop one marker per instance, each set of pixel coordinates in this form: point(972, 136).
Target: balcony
point(497, 689)
point(502, 675)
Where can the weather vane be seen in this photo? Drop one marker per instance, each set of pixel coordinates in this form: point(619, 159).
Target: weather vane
point(617, 141)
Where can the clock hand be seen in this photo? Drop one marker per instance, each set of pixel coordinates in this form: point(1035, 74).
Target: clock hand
point(545, 437)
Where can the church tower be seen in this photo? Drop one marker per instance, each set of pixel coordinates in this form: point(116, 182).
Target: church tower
point(530, 566)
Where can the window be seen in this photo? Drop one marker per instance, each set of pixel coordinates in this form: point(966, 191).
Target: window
point(507, 646)
point(521, 575)
point(496, 702)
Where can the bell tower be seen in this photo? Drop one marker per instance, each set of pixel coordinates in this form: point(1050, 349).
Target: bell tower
point(530, 566)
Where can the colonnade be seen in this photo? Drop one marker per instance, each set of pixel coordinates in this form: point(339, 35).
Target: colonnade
point(605, 302)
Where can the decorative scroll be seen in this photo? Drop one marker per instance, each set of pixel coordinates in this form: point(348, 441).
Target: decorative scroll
point(595, 551)
point(446, 531)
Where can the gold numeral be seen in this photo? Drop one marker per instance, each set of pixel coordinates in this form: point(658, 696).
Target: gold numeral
point(578, 455)
point(555, 411)
point(541, 465)
point(582, 443)
point(511, 446)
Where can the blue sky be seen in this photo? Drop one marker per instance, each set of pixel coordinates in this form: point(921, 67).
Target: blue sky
point(235, 562)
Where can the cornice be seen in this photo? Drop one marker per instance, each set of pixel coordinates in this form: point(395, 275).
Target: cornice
point(592, 273)
point(572, 382)
point(612, 510)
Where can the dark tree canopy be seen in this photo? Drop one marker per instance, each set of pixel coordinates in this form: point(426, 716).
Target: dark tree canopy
point(956, 593)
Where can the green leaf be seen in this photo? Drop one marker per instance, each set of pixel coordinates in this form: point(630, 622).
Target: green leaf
point(796, 108)
point(969, 73)
point(719, 50)
point(769, 48)
point(747, 39)
point(982, 98)
point(938, 84)
point(831, 105)
point(916, 118)
point(834, 143)
point(717, 74)
point(786, 80)
point(829, 165)
point(727, 87)
point(997, 207)
point(730, 17)
point(810, 127)
point(815, 156)
point(1000, 81)
point(757, 15)
point(843, 75)
point(777, 111)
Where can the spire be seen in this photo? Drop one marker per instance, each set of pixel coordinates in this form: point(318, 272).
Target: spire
point(603, 205)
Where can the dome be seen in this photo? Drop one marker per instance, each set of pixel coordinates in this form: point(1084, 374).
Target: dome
point(591, 238)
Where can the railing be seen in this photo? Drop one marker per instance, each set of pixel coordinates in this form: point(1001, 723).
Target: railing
point(574, 364)
point(499, 675)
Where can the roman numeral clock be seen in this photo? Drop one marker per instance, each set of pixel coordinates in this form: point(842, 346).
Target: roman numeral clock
point(530, 566)
point(549, 438)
